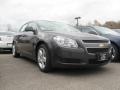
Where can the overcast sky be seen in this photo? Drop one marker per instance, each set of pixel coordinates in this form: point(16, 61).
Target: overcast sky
point(20, 11)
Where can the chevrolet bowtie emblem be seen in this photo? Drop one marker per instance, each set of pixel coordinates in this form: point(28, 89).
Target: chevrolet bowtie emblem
point(102, 45)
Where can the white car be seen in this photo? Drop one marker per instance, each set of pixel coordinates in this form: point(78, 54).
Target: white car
point(6, 39)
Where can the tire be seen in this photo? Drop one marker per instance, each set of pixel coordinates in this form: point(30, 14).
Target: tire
point(43, 59)
point(115, 51)
point(14, 51)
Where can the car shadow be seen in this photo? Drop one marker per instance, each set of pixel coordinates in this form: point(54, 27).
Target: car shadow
point(5, 52)
point(118, 61)
point(28, 60)
point(81, 71)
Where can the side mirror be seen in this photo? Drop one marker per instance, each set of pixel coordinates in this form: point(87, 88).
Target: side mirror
point(93, 32)
point(30, 29)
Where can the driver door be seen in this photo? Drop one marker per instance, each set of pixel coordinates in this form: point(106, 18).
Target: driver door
point(29, 39)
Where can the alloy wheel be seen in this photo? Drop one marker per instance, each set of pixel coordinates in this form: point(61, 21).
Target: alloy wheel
point(42, 58)
point(113, 53)
point(13, 50)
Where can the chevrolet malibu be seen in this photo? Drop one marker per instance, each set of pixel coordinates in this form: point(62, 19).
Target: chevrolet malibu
point(55, 44)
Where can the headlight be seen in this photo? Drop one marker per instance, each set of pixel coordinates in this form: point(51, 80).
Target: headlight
point(65, 42)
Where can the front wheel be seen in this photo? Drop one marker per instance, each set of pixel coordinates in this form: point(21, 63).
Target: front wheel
point(14, 51)
point(43, 58)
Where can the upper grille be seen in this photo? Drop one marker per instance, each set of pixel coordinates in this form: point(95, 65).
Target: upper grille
point(95, 41)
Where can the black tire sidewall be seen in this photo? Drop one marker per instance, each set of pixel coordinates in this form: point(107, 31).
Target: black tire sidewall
point(116, 52)
point(16, 52)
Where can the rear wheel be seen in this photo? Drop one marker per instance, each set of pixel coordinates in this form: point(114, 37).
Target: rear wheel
point(14, 51)
point(115, 53)
point(43, 58)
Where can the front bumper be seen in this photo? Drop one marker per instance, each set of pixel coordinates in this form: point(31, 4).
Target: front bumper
point(67, 57)
point(5, 46)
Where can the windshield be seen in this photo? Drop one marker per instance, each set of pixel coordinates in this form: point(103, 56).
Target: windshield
point(6, 33)
point(56, 26)
point(104, 30)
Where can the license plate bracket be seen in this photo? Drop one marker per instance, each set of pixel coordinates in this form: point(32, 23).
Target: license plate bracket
point(102, 57)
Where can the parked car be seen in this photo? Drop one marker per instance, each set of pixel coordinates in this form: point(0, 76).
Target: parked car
point(55, 44)
point(117, 30)
point(108, 33)
point(6, 39)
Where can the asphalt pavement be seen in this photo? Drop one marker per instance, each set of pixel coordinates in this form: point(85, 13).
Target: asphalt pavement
point(23, 74)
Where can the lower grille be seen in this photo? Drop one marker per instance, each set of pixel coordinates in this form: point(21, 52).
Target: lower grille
point(70, 60)
point(97, 50)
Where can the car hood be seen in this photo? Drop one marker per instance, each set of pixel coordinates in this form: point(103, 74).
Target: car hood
point(113, 37)
point(77, 35)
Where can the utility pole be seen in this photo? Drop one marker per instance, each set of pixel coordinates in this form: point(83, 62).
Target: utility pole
point(77, 18)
